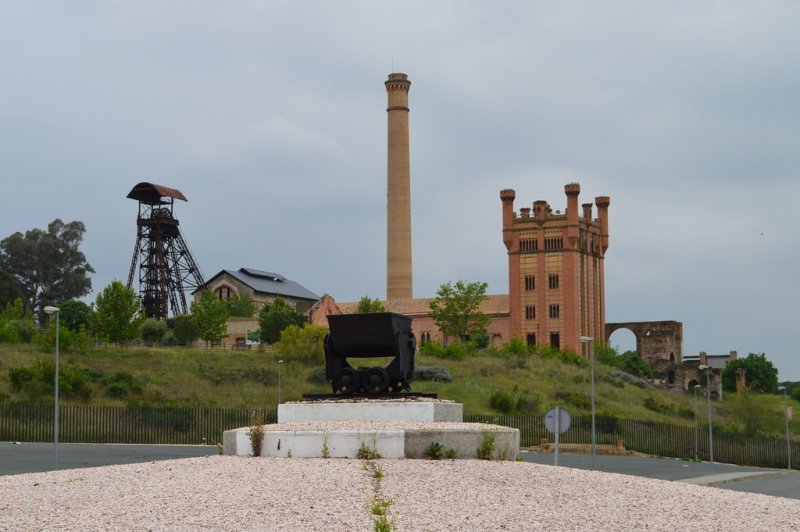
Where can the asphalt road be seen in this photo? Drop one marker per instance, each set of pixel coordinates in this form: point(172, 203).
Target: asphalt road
point(776, 482)
point(35, 457)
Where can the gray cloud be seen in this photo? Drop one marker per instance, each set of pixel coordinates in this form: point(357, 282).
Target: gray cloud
point(270, 117)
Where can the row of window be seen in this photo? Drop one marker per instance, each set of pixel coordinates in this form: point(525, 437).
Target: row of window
point(530, 312)
point(555, 339)
point(552, 281)
point(532, 244)
point(553, 243)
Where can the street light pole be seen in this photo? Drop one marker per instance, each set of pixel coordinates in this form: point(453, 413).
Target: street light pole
point(696, 428)
point(280, 383)
point(56, 311)
point(710, 426)
point(786, 416)
point(589, 340)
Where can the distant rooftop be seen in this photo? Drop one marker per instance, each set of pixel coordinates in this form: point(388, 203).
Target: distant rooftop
point(268, 283)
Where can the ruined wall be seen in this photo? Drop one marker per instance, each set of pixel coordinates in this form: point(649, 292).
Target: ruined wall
point(655, 340)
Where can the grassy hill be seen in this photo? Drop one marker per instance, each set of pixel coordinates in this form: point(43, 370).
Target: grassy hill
point(487, 382)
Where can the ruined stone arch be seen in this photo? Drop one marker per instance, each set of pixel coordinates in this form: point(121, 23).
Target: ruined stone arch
point(655, 340)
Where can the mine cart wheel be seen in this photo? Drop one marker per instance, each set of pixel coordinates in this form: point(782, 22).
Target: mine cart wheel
point(346, 381)
point(398, 386)
point(375, 380)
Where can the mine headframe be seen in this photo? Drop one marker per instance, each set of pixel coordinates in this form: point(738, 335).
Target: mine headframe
point(166, 266)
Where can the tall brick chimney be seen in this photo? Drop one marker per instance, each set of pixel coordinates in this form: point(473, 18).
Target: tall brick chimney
point(398, 197)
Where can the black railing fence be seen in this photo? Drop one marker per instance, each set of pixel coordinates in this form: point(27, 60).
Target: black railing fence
point(119, 424)
point(660, 439)
point(162, 425)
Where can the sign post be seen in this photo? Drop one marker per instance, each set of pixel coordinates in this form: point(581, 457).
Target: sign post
point(557, 421)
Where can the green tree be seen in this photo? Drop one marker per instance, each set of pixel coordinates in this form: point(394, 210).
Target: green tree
point(48, 264)
point(75, 314)
point(275, 317)
point(761, 375)
point(211, 317)
point(304, 342)
point(17, 323)
point(185, 329)
point(456, 309)
point(119, 313)
point(369, 306)
point(153, 330)
point(10, 289)
point(632, 363)
point(241, 306)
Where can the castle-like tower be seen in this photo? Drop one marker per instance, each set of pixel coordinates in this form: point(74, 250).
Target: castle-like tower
point(398, 196)
point(555, 270)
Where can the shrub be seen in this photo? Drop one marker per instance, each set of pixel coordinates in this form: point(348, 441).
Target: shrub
point(185, 329)
point(502, 402)
point(486, 450)
point(305, 343)
point(169, 339)
point(432, 373)
point(123, 385)
point(795, 394)
point(481, 341)
point(632, 363)
point(153, 330)
point(654, 405)
point(38, 381)
point(515, 346)
point(605, 354)
point(575, 399)
point(453, 351)
point(434, 451)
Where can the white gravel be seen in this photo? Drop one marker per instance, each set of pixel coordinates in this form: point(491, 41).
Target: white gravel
point(229, 492)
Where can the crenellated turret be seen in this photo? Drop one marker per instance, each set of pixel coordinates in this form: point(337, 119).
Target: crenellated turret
point(507, 196)
point(572, 191)
point(587, 212)
point(602, 203)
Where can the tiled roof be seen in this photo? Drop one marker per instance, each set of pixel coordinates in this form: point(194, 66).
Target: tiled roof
point(494, 304)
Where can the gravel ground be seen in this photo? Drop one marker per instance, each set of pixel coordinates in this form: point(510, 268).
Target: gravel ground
point(229, 492)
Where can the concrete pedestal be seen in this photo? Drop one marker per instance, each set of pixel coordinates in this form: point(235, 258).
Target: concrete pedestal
point(392, 428)
point(413, 410)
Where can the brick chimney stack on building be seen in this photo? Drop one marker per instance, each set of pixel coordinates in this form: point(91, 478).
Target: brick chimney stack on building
point(398, 238)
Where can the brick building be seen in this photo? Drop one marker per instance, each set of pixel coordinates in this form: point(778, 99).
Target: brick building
point(261, 287)
point(417, 309)
point(555, 270)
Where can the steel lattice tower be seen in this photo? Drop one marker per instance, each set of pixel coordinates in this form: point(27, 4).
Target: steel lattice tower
point(166, 266)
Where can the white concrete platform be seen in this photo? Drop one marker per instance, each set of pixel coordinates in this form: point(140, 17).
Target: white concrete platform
point(398, 410)
point(339, 439)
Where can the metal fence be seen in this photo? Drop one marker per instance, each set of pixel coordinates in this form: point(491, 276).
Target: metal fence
point(119, 424)
point(154, 425)
point(659, 439)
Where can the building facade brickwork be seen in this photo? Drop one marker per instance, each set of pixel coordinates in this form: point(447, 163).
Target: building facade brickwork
point(555, 270)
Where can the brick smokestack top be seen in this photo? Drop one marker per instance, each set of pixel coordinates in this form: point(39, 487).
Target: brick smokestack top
point(398, 196)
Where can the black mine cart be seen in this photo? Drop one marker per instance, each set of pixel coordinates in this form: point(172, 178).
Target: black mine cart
point(383, 334)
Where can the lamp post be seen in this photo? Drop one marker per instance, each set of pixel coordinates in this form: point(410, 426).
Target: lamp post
point(710, 426)
point(280, 383)
point(56, 311)
point(786, 416)
point(696, 428)
point(589, 340)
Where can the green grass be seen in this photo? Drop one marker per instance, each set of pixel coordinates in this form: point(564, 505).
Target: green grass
point(214, 378)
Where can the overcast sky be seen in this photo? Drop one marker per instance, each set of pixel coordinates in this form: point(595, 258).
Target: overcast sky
point(270, 117)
